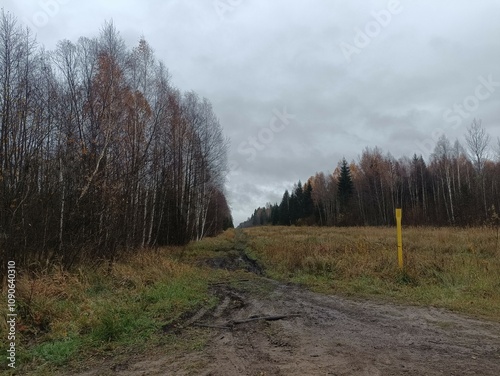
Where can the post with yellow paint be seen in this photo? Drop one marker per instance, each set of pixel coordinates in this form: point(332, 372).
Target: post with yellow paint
point(400, 238)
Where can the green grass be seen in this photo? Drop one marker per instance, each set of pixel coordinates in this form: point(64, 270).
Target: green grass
point(57, 352)
point(68, 317)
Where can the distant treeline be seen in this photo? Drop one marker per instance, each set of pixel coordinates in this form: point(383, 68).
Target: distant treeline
point(457, 187)
point(99, 153)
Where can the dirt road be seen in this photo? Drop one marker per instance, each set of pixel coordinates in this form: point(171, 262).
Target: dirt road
point(326, 335)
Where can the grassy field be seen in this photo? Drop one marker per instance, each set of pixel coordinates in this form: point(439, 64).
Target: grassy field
point(70, 318)
point(452, 268)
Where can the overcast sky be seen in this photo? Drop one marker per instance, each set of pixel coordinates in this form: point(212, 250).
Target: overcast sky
point(297, 85)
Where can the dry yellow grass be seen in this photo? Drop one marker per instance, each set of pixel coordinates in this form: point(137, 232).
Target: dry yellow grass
point(448, 267)
point(63, 315)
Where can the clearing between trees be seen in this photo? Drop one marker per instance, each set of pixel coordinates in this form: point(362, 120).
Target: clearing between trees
point(261, 326)
point(273, 301)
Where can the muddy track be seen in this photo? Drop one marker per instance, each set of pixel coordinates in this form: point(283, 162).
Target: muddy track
point(332, 336)
point(337, 336)
point(324, 335)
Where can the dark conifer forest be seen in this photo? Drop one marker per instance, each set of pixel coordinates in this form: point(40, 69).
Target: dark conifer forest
point(458, 186)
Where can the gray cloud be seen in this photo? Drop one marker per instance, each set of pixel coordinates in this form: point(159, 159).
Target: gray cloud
point(266, 55)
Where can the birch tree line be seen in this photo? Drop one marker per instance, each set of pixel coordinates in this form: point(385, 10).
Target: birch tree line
point(99, 153)
point(458, 186)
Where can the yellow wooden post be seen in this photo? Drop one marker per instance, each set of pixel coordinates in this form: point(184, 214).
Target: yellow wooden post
point(400, 239)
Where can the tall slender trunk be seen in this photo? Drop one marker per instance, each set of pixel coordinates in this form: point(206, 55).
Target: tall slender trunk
point(145, 219)
point(450, 195)
point(424, 201)
point(483, 180)
point(63, 203)
point(151, 221)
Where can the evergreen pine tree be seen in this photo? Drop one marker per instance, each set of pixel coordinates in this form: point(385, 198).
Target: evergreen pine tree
point(285, 209)
point(345, 188)
point(255, 219)
point(275, 215)
point(308, 205)
point(299, 197)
